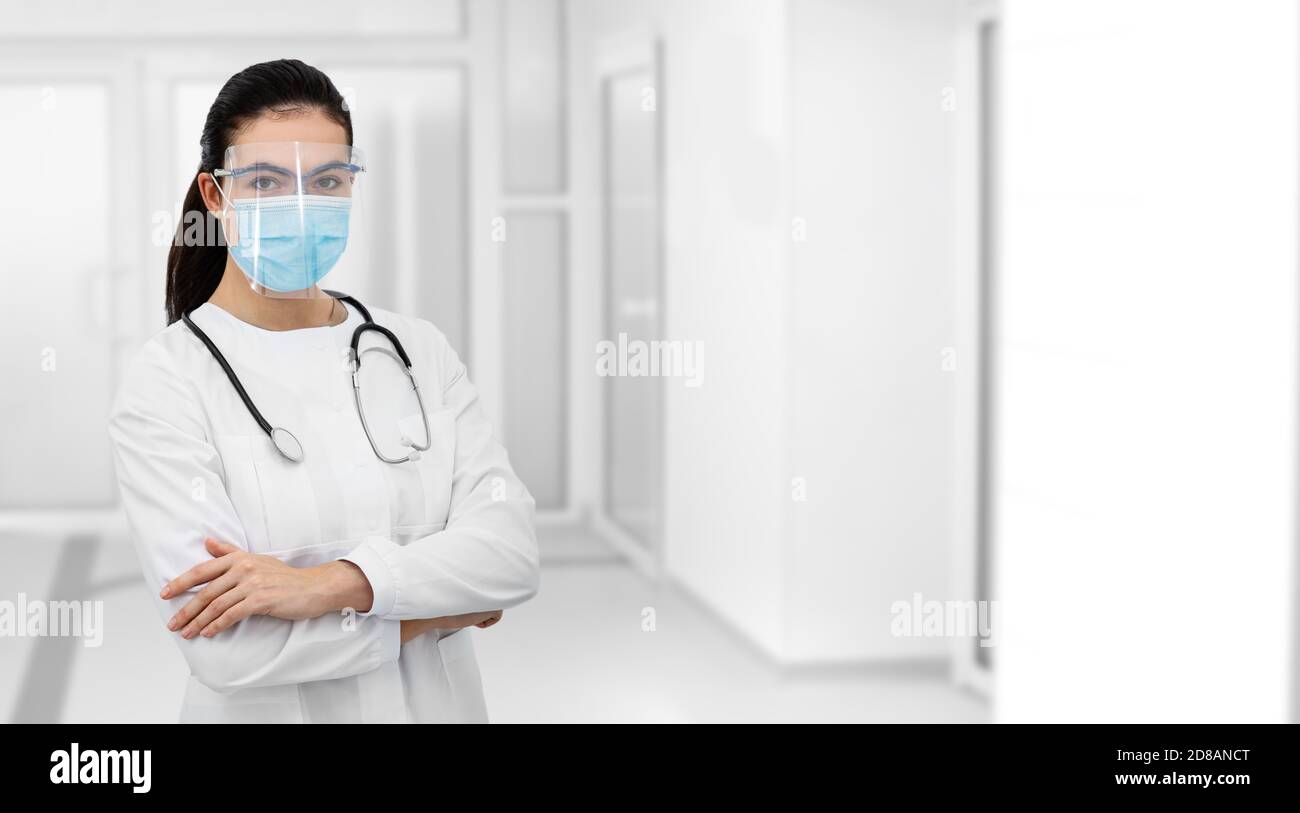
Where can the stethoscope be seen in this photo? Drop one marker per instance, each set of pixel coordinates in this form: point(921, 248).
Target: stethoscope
point(285, 443)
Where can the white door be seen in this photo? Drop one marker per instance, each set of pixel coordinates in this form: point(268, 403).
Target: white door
point(59, 226)
point(633, 303)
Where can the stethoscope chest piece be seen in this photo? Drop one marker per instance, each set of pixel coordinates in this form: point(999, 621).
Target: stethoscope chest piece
point(404, 364)
point(286, 444)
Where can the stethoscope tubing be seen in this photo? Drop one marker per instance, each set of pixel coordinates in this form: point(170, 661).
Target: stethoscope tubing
point(230, 374)
point(283, 439)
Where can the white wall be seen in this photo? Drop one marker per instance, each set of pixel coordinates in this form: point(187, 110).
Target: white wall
point(871, 307)
point(827, 110)
point(1146, 439)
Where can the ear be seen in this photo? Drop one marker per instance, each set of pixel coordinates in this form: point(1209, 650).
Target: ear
point(212, 199)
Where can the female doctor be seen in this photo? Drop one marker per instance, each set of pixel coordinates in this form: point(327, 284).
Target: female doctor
point(313, 487)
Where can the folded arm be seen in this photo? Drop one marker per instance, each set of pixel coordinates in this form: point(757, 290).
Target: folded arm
point(172, 489)
point(235, 585)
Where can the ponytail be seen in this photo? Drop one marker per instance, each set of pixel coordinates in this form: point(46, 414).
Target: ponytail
point(194, 268)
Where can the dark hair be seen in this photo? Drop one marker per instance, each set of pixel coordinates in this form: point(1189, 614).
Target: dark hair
point(282, 86)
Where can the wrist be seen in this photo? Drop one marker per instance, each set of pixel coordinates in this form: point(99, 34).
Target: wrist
point(346, 587)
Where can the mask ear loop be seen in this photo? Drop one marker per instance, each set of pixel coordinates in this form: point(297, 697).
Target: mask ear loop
point(228, 204)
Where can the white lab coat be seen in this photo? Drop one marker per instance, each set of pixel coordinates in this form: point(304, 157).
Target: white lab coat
point(450, 533)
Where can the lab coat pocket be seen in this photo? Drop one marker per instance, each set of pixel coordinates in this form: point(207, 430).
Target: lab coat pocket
point(456, 645)
point(236, 452)
point(466, 703)
point(438, 466)
point(288, 500)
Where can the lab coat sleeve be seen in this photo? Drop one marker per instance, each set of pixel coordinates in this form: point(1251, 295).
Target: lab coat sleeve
point(170, 477)
point(486, 557)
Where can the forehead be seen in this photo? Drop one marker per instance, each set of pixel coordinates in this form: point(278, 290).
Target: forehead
point(310, 125)
point(293, 156)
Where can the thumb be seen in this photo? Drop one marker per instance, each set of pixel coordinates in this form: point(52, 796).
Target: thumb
point(218, 548)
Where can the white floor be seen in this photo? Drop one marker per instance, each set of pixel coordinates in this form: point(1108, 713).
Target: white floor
point(576, 653)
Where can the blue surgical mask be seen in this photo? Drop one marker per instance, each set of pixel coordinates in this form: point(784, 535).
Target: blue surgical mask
point(290, 243)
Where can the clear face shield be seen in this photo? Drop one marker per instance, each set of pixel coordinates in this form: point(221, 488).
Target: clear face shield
point(287, 210)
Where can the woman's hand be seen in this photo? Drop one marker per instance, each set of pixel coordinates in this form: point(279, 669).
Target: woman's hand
point(415, 627)
point(242, 584)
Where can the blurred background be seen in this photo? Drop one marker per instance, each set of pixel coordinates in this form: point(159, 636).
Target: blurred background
point(992, 306)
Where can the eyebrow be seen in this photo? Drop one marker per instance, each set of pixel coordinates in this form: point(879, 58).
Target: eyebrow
point(332, 165)
point(260, 166)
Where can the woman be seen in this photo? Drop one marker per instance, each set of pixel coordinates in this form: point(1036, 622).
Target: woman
point(304, 575)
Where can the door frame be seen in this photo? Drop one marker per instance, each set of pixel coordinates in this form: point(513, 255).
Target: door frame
point(977, 224)
point(627, 51)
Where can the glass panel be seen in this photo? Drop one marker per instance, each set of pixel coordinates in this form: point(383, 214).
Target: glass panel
point(633, 404)
point(56, 307)
point(534, 350)
point(533, 66)
point(441, 177)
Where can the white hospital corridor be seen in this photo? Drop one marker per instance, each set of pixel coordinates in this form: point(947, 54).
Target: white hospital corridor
point(791, 361)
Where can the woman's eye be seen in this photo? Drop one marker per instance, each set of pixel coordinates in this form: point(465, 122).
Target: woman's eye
point(264, 184)
point(328, 184)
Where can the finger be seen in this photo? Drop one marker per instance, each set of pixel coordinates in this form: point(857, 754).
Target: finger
point(201, 600)
point(215, 610)
point(218, 548)
point(232, 616)
point(200, 573)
